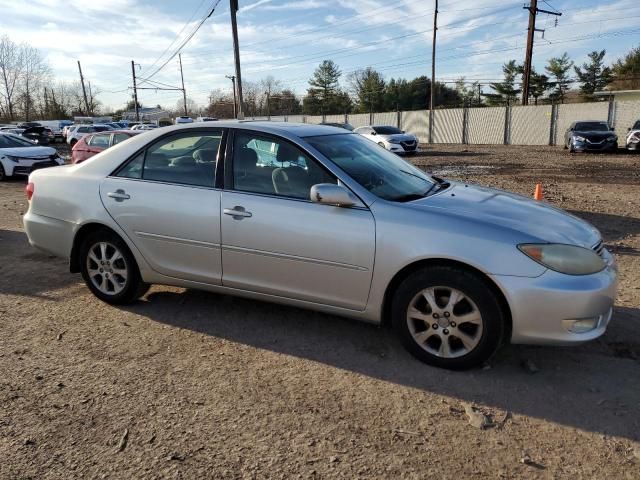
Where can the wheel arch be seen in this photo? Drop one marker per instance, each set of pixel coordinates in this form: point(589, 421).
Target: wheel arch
point(83, 232)
point(407, 270)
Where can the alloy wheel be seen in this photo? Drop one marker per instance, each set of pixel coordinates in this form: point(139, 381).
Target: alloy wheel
point(444, 322)
point(107, 268)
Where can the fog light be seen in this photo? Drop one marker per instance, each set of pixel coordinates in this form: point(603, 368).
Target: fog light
point(581, 325)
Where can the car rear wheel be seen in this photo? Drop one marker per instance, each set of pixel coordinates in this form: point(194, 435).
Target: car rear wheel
point(448, 317)
point(109, 269)
point(3, 176)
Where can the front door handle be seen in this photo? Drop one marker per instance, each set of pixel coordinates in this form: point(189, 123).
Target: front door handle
point(237, 212)
point(119, 195)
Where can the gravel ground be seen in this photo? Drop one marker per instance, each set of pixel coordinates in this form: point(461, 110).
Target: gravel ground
point(186, 384)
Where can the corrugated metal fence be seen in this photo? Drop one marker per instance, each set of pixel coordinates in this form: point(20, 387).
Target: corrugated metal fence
point(518, 125)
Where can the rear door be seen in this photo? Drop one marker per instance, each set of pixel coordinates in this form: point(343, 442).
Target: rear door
point(166, 201)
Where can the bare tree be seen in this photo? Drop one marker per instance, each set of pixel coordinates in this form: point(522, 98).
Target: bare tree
point(11, 65)
point(35, 73)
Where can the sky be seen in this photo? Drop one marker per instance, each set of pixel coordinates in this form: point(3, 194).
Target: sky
point(289, 38)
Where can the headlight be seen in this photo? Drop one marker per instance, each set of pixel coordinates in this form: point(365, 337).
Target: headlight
point(579, 138)
point(393, 140)
point(612, 138)
point(12, 158)
point(568, 259)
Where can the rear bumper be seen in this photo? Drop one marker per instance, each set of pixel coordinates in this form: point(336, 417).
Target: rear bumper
point(543, 307)
point(49, 234)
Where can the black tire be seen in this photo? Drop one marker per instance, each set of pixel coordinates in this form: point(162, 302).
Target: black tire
point(3, 176)
point(132, 288)
point(474, 288)
point(73, 142)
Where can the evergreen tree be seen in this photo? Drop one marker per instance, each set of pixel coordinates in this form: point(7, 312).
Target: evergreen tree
point(506, 91)
point(626, 71)
point(538, 85)
point(593, 75)
point(558, 68)
point(324, 84)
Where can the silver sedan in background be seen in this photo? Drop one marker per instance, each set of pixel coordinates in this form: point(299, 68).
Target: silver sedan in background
point(321, 218)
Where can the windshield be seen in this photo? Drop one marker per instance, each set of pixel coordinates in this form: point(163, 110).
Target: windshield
point(381, 172)
point(592, 127)
point(387, 130)
point(12, 141)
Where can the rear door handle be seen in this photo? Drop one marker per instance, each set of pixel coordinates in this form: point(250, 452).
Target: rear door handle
point(237, 212)
point(119, 195)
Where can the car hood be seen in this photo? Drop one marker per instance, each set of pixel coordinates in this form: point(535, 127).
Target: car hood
point(514, 212)
point(28, 152)
point(402, 137)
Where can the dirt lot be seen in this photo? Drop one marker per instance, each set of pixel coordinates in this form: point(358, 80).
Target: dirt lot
point(187, 384)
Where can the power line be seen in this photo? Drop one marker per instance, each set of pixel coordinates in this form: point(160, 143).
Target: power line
point(178, 35)
point(189, 37)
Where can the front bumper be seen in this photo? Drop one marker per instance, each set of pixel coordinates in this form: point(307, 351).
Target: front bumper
point(25, 168)
point(542, 307)
point(595, 147)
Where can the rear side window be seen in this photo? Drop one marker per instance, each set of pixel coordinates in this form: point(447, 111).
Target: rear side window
point(186, 159)
point(99, 141)
point(120, 137)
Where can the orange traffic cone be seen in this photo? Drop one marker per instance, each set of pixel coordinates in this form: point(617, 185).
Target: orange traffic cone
point(537, 195)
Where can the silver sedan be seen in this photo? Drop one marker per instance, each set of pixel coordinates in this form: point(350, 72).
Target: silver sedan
point(321, 218)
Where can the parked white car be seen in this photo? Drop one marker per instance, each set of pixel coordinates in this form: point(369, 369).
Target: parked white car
point(391, 138)
point(76, 132)
point(144, 126)
point(183, 119)
point(633, 137)
point(19, 156)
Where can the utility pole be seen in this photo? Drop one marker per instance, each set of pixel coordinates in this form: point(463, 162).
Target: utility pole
point(236, 53)
point(479, 94)
point(46, 106)
point(533, 12)
point(84, 91)
point(135, 90)
point(433, 72)
point(184, 92)
point(235, 101)
point(90, 98)
point(268, 92)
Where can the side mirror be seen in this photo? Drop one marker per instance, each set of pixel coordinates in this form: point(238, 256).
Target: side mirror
point(331, 194)
point(373, 132)
point(629, 129)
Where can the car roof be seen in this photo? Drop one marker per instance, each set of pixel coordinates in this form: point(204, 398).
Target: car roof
point(278, 128)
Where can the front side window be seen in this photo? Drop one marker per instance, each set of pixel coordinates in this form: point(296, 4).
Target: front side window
point(273, 166)
point(186, 159)
point(381, 172)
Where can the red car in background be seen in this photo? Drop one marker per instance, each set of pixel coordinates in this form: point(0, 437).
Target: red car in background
point(94, 143)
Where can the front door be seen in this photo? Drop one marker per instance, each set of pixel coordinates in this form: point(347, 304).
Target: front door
point(164, 199)
point(276, 241)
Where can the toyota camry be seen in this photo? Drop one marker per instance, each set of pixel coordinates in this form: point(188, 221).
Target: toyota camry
point(322, 218)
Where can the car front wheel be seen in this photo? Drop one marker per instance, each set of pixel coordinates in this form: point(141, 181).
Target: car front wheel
point(3, 176)
point(448, 317)
point(109, 269)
